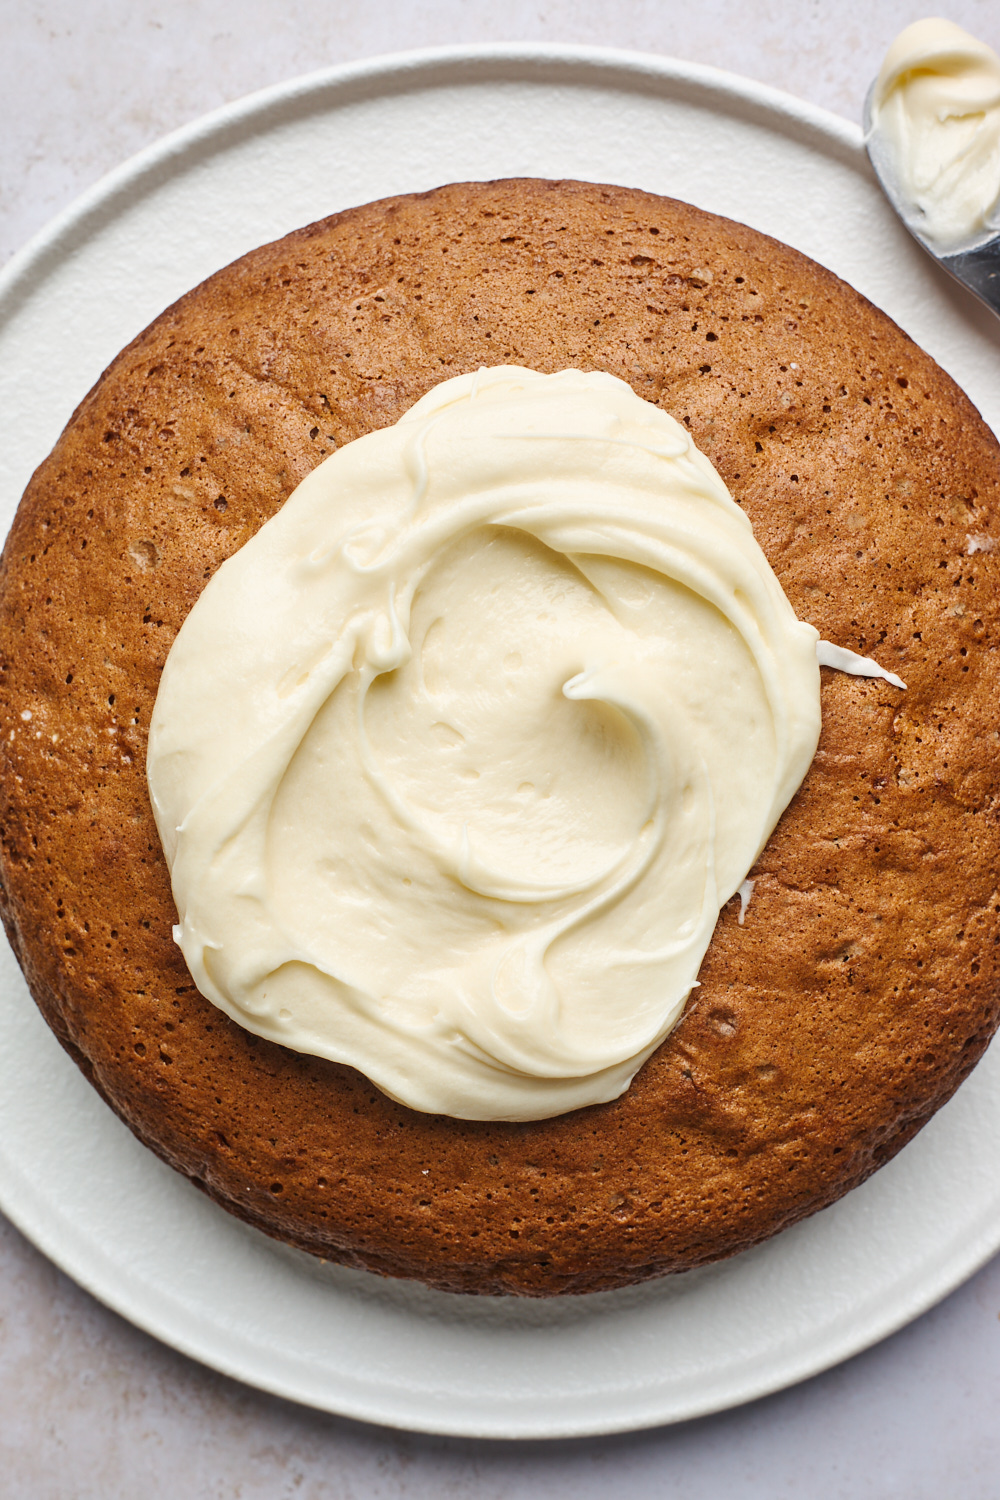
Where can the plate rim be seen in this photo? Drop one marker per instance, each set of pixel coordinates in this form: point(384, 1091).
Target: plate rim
point(415, 69)
point(19, 278)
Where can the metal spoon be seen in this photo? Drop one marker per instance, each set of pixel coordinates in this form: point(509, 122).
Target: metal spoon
point(977, 266)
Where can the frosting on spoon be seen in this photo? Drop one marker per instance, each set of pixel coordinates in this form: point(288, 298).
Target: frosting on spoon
point(935, 121)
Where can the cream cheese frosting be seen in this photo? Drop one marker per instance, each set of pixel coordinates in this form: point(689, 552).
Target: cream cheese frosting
point(935, 116)
point(456, 761)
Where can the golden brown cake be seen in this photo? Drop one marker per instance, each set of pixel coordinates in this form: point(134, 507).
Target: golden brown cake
point(862, 987)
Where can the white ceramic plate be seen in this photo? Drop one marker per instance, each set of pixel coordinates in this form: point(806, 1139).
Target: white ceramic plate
point(71, 1176)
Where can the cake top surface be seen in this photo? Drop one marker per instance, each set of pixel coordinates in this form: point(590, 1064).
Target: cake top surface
point(860, 988)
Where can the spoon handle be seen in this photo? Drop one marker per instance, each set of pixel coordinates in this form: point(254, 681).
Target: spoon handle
point(979, 270)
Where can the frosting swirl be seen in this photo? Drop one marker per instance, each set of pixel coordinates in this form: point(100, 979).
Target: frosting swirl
point(455, 762)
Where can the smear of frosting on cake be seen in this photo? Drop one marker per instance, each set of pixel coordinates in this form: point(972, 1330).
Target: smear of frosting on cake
point(848, 661)
point(456, 761)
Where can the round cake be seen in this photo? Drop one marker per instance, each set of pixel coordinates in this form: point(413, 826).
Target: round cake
point(832, 1017)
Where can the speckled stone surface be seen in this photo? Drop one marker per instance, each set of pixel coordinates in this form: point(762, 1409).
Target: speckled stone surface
point(93, 1408)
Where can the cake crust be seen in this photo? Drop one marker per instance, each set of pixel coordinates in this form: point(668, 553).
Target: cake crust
point(861, 988)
